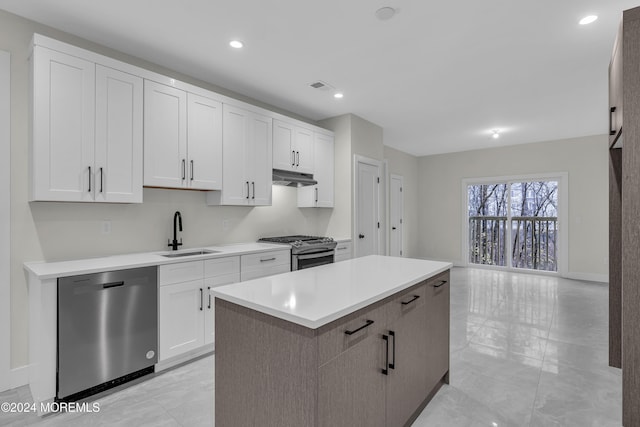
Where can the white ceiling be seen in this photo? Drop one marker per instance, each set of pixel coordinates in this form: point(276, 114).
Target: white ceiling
point(438, 77)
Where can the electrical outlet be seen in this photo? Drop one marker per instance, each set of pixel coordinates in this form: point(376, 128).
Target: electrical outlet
point(106, 227)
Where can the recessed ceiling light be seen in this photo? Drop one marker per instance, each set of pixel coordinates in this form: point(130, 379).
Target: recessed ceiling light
point(385, 13)
point(338, 95)
point(588, 19)
point(495, 134)
point(236, 44)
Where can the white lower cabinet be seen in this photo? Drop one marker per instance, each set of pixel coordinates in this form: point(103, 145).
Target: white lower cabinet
point(186, 308)
point(343, 250)
point(263, 264)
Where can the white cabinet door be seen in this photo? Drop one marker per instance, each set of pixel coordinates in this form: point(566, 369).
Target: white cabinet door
point(118, 145)
point(259, 161)
point(204, 136)
point(304, 150)
point(209, 312)
point(320, 195)
point(165, 136)
point(324, 172)
point(62, 166)
point(284, 153)
point(181, 323)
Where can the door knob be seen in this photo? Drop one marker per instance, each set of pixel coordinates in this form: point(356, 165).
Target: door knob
point(361, 236)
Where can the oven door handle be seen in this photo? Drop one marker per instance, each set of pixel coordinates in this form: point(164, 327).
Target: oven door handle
point(316, 255)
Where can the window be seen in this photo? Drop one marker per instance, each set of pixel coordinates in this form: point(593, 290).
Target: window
point(514, 224)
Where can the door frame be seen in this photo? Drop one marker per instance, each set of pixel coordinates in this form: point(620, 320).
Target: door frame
point(563, 218)
point(357, 159)
point(401, 213)
point(5, 221)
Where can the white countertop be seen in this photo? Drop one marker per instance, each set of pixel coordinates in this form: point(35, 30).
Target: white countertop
point(316, 296)
point(50, 270)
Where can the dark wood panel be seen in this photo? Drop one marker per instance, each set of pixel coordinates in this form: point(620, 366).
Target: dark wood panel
point(615, 258)
point(630, 220)
point(352, 387)
point(615, 91)
point(438, 324)
point(266, 370)
point(407, 382)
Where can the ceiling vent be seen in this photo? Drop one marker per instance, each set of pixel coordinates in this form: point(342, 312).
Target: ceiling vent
point(321, 85)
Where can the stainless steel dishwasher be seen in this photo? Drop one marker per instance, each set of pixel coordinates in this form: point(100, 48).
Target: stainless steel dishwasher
point(107, 330)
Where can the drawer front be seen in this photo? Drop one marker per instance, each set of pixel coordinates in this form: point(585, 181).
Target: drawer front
point(222, 266)
point(343, 251)
point(227, 279)
point(265, 271)
point(406, 301)
point(333, 338)
point(264, 260)
point(180, 272)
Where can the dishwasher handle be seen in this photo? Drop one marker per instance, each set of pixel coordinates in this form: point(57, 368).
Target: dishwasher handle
point(112, 285)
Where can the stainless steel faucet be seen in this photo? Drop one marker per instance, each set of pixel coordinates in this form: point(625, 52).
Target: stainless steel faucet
point(177, 222)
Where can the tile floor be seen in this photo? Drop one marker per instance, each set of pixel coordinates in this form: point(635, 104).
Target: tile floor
point(526, 350)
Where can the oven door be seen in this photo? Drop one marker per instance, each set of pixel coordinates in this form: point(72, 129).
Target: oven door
point(302, 261)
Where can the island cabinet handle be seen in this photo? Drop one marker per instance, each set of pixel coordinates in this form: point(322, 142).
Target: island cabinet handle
point(393, 364)
point(367, 323)
point(415, 297)
point(385, 370)
point(443, 282)
point(611, 130)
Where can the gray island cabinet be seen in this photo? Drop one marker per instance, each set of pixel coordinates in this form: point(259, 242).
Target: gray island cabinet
point(364, 342)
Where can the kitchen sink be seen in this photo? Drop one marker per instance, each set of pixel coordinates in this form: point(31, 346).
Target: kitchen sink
point(189, 253)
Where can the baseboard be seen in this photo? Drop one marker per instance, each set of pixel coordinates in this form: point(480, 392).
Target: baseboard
point(19, 376)
point(589, 277)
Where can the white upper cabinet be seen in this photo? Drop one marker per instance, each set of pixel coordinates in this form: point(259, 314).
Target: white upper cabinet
point(182, 139)
point(292, 147)
point(87, 131)
point(165, 136)
point(118, 152)
point(204, 136)
point(320, 195)
point(247, 154)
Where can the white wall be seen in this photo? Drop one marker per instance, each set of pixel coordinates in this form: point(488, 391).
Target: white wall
point(585, 160)
point(55, 231)
point(5, 227)
point(404, 164)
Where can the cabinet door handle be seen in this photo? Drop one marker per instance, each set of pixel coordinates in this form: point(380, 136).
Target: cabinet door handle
point(184, 169)
point(89, 191)
point(611, 130)
point(361, 236)
point(293, 158)
point(247, 190)
point(443, 282)
point(393, 352)
point(316, 194)
point(297, 158)
point(101, 180)
point(366, 324)
point(385, 370)
point(200, 299)
point(209, 293)
point(253, 186)
point(415, 297)
point(191, 170)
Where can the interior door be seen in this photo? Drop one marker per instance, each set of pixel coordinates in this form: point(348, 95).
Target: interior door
point(396, 203)
point(367, 228)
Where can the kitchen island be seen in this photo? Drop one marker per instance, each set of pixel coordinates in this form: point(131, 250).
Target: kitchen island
point(360, 342)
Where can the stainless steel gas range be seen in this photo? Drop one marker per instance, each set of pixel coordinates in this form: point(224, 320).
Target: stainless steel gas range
point(307, 251)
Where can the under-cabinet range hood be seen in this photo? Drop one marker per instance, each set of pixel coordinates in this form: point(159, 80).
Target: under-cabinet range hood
point(292, 179)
